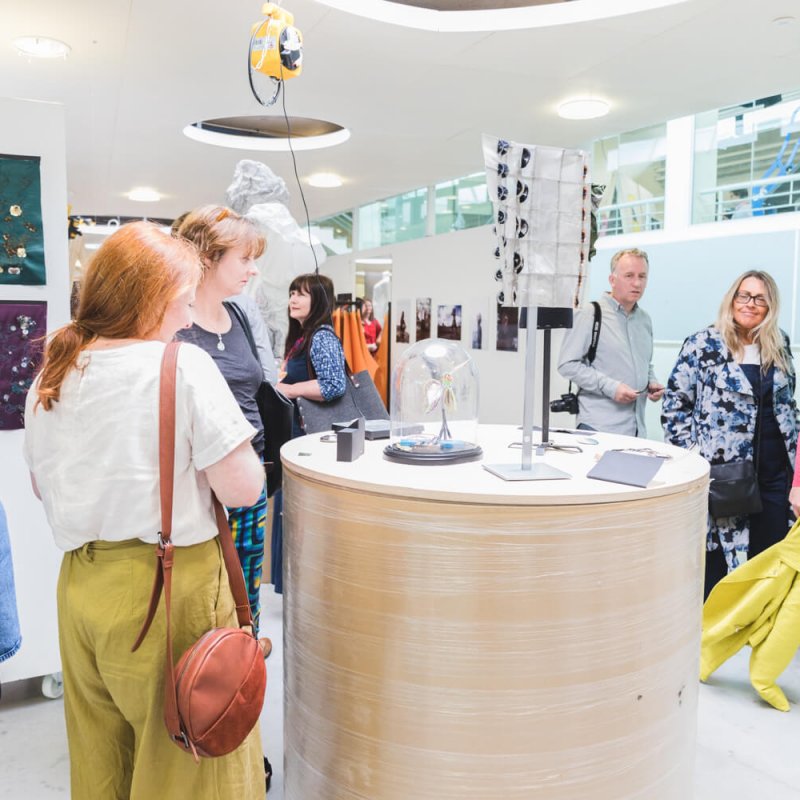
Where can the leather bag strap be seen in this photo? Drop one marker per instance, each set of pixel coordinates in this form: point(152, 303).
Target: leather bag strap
point(165, 548)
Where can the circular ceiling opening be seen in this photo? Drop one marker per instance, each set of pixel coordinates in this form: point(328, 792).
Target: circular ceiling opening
point(475, 5)
point(268, 133)
point(492, 15)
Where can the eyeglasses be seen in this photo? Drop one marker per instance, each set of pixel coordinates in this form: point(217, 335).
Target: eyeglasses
point(745, 297)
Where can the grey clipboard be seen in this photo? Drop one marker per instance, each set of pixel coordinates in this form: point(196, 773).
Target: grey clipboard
point(628, 468)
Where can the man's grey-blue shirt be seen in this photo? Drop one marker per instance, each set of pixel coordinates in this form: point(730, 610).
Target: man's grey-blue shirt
point(624, 355)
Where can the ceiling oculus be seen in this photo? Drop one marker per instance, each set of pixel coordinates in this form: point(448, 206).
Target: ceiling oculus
point(491, 15)
point(41, 47)
point(268, 133)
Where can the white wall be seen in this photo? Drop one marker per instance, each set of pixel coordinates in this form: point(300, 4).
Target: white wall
point(459, 268)
point(35, 129)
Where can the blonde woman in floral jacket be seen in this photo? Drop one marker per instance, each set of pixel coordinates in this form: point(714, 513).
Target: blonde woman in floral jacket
point(733, 385)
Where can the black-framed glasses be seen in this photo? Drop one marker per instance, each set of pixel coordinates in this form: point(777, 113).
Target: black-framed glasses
point(745, 297)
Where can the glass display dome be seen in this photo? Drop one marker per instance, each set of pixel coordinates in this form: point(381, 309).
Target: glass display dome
point(434, 415)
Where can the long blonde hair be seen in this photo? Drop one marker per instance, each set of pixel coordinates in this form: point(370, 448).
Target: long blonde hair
point(766, 334)
point(130, 281)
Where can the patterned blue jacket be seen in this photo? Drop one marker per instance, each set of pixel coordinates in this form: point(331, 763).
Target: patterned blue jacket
point(709, 402)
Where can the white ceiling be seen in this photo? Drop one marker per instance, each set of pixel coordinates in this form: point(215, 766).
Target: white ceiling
point(416, 102)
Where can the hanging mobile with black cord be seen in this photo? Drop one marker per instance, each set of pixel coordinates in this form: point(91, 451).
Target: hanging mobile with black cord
point(276, 50)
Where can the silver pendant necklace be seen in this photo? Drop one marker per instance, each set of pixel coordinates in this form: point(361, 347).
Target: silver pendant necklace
point(220, 343)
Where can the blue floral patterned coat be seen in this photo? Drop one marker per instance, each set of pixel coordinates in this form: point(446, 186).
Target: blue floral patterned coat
point(709, 402)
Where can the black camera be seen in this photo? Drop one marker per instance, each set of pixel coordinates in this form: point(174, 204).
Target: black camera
point(567, 403)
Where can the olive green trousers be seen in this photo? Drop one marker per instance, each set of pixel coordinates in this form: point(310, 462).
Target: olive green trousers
point(113, 699)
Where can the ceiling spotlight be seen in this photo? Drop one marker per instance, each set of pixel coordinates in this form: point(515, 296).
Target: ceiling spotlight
point(324, 180)
point(143, 194)
point(583, 108)
point(41, 47)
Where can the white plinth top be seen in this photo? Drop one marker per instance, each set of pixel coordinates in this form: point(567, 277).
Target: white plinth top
point(313, 458)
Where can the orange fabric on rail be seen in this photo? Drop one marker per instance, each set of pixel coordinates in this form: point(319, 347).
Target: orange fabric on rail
point(362, 358)
point(341, 328)
point(348, 327)
point(381, 376)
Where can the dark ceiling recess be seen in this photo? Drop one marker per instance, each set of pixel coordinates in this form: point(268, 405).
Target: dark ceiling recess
point(268, 127)
point(476, 5)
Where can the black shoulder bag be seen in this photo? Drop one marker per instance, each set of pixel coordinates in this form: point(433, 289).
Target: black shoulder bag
point(733, 491)
point(276, 411)
point(569, 402)
point(360, 399)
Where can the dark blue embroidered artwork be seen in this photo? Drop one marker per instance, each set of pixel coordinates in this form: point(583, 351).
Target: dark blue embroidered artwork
point(22, 328)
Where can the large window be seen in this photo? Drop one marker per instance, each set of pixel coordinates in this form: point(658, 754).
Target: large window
point(463, 203)
point(631, 166)
point(746, 157)
point(396, 219)
point(335, 233)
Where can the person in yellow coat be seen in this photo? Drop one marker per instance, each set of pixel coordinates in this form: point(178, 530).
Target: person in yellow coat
point(757, 604)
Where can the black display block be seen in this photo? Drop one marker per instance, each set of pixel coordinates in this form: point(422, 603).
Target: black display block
point(547, 318)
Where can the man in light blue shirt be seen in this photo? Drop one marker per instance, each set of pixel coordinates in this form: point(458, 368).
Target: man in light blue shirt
point(616, 385)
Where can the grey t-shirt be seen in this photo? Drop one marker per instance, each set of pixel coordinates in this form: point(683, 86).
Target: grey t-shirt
point(239, 367)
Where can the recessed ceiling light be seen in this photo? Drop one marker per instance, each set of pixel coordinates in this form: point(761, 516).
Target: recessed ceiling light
point(376, 260)
point(783, 21)
point(144, 194)
point(41, 47)
point(324, 180)
point(583, 108)
point(436, 15)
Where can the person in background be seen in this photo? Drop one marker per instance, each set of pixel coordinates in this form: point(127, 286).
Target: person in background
point(314, 367)
point(732, 387)
point(228, 245)
point(372, 328)
point(10, 639)
point(314, 360)
point(91, 443)
point(615, 386)
point(250, 308)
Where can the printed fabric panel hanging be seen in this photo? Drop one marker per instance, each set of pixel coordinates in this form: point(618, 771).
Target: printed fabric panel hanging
point(542, 209)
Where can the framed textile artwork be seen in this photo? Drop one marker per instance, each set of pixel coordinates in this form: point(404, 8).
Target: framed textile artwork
point(22, 328)
point(22, 250)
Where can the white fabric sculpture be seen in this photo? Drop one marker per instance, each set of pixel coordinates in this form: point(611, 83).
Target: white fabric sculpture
point(542, 211)
point(260, 195)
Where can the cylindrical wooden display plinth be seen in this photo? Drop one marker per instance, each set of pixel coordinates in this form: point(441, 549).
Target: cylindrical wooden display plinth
point(455, 636)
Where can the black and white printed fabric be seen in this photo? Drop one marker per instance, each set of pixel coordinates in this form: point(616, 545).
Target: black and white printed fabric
point(542, 208)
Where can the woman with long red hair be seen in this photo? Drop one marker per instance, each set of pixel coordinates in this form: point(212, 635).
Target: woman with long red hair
point(92, 443)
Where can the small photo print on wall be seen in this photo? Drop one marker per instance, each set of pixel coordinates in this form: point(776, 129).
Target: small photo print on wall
point(22, 326)
point(507, 328)
point(448, 322)
point(22, 243)
point(401, 311)
point(476, 323)
point(423, 318)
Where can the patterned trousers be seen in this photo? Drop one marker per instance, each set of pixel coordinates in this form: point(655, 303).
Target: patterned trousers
point(248, 524)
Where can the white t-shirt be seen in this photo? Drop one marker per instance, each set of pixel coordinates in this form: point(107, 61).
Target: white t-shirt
point(95, 453)
point(751, 354)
